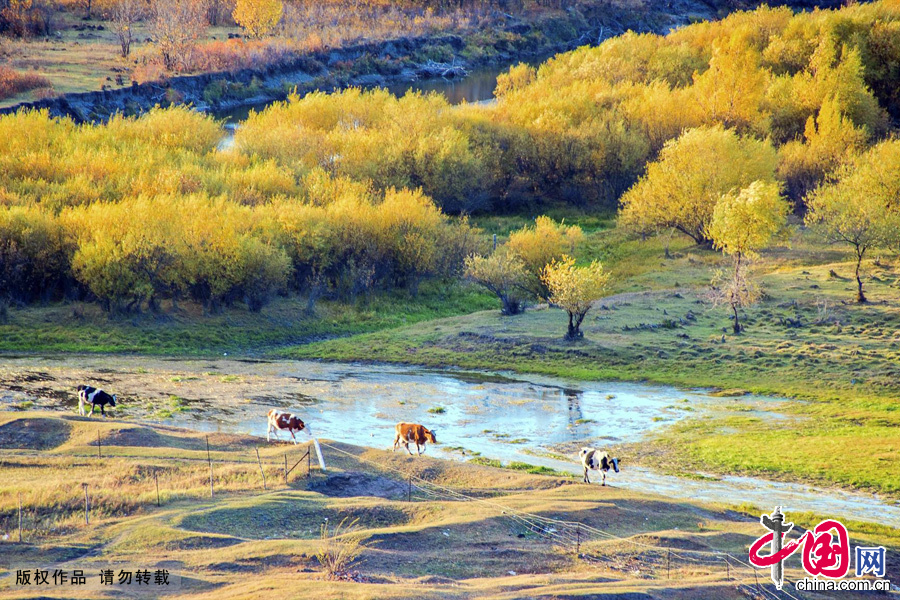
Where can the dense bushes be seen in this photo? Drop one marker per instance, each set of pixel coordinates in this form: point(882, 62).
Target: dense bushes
point(35, 251)
point(13, 82)
point(141, 210)
point(583, 126)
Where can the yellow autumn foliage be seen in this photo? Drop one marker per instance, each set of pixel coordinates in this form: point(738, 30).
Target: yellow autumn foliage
point(258, 17)
point(575, 289)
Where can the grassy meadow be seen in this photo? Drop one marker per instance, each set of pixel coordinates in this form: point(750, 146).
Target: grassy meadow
point(84, 327)
point(807, 340)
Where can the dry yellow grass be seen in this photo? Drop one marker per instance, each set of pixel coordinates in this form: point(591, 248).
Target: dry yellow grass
point(247, 542)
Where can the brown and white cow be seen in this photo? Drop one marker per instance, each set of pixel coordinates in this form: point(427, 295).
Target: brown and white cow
point(280, 421)
point(591, 458)
point(412, 433)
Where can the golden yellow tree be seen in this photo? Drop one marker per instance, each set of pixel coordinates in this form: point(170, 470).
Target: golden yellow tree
point(681, 189)
point(860, 207)
point(741, 226)
point(502, 273)
point(539, 245)
point(574, 289)
point(258, 17)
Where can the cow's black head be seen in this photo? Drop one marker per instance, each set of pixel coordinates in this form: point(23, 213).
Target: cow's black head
point(112, 401)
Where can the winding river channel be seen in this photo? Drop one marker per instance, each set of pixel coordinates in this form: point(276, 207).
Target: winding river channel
point(502, 416)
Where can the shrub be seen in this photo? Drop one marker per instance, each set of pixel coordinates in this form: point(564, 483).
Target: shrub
point(14, 82)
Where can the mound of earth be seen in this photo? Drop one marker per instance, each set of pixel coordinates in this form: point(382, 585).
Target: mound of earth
point(350, 484)
point(34, 434)
point(151, 438)
point(133, 436)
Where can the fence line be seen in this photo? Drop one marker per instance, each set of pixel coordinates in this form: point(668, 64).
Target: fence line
point(562, 532)
point(541, 524)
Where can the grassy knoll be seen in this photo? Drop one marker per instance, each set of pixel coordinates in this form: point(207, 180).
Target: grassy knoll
point(805, 340)
point(265, 541)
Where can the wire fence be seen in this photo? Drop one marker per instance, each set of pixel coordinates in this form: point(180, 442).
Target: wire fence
point(577, 535)
point(630, 556)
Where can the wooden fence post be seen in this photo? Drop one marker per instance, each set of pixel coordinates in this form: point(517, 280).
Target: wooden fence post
point(209, 460)
point(262, 472)
point(308, 463)
point(668, 561)
point(87, 519)
point(20, 517)
point(285, 468)
point(577, 540)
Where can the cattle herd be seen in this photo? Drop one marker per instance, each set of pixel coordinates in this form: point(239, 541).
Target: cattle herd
point(406, 433)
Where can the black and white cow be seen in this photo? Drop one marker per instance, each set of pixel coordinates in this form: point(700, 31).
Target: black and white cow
point(95, 397)
point(591, 458)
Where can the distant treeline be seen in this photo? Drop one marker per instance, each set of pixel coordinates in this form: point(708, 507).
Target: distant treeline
point(582, 127)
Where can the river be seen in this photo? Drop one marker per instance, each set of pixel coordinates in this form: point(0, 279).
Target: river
point(503, 416)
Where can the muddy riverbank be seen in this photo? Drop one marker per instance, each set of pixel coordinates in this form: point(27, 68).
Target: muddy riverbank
point(395, 62)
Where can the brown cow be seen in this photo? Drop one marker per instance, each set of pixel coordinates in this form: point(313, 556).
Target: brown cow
point(279, 421)
point(408, 433)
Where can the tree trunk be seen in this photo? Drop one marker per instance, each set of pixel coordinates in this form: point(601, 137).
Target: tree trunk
point(574, 331)
point(737, 323)
point(511, 306)
point(860, 297)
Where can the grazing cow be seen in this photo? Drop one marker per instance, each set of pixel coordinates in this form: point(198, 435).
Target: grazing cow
point(408, 433)
point(591, 458)
point(95, 397)
point(279, 421)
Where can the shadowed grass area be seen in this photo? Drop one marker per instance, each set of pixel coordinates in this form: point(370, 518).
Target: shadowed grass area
point(86, 328)
point(247, 542)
